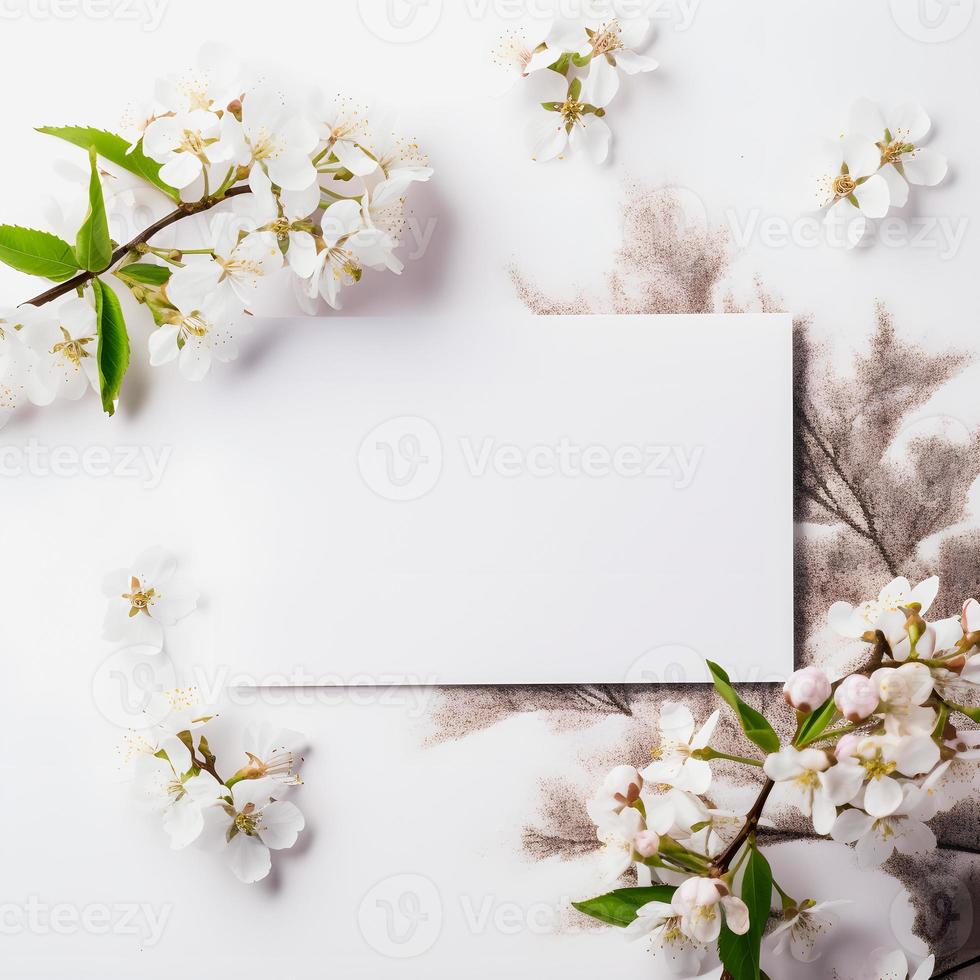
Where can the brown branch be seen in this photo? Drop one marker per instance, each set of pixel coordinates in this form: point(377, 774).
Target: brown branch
point(721, 864)
point(183, 211)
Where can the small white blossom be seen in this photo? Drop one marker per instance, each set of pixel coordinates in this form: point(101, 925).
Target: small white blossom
point(885, 612)
point(803, 927)
point(899, 137)
point(144, 598)
point(258, 823)
point(178, 798)
point(186, 143)
point(814, 791)
point(242, 257)
point(879, 760)
point(677, 953)
point(674, 763)
point(64, 343)
point(700, 903)
point(903, 829)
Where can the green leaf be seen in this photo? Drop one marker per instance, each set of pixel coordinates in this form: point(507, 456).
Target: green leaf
point(741, 955)
point(145, 273)
point(37, 253)
point(755, 726)
point(575, 88)
point(93, 246)
point(114, 149)
point(113, 350)
point(816, 723)
point(619, 908)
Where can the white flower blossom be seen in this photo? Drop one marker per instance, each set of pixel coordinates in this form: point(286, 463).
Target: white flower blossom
point(815, 793)
point(64, 343)
point(674, 763)
point(902, 694)
point(186, 144)
point(885, 612)
point(903, 828)
point(676, 952)
point(700, 903)
point(178, 798)
point(242, 257)
point(274, 752)
point(611, 44)
point(274, 135)
point(258, 823)
point(899, 136)
point(570, 122)
point(144, 598)
point(879, 759)
point(803, 927)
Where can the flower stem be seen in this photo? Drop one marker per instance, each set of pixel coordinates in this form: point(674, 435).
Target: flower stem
point(708, 754)
point(83, 278)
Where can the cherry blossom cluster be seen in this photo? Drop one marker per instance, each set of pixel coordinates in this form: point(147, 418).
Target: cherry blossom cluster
point(868, 169)
point(239, 183)
point(243, 813)
point(573, 70)
point(873, 756)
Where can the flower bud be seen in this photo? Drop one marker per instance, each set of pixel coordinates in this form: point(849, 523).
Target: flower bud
point(646, 843)
point(622, 786)
point(807, 689)
point(856, 698)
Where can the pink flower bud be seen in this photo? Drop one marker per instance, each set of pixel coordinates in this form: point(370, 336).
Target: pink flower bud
point(857, 697)
point(646, 843)
point(807, 689)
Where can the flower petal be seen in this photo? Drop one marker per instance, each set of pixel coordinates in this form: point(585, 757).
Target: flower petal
point(925, 167)
point(248, 858)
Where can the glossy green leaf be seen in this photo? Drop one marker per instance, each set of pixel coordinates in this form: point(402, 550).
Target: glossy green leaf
point(116, 150)
point(817, 723)
point(741, 955)
point(37, 253)
point(755, 726)
point(93, 246)
point(113, 349)
point(145, 273)
point(618, 908)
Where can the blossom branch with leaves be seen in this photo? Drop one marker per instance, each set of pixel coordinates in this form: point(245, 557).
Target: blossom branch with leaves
point(291, 183)
point(867, 763)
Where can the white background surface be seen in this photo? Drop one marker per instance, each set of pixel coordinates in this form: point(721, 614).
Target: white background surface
point(742, 95)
